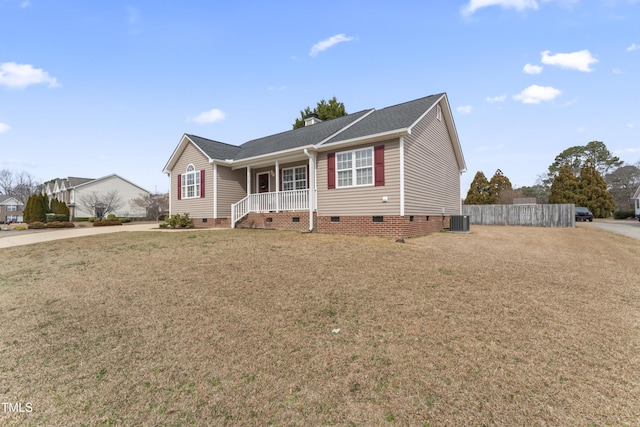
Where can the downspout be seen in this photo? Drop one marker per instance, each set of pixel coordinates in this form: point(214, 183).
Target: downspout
point(215, 191)
point(312, 186)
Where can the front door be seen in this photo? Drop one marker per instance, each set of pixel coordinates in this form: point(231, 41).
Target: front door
point(263, 182)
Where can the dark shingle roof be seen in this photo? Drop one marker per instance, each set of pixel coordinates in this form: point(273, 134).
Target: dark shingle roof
point(214, 149)
point(399, 116)
point(301, 137)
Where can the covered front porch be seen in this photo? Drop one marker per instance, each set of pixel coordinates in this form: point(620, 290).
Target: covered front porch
point(285, 184)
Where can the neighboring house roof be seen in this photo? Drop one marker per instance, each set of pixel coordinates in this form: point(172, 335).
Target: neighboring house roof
point(9, 201)
point(74, 181)
point(93, 181)
point(361, 125)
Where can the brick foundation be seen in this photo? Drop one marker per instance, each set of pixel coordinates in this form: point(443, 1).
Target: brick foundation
point(277, 221)
point(391, 226)
point(211, 223)
point(395, 227)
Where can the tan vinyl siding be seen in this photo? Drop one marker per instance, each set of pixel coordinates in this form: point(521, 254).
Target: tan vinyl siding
point(362, 200)
point(231, 188)
point(196, 207)
point(432, 175)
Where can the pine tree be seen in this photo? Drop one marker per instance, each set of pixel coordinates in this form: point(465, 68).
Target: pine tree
point(593, 191)
point(479, 193)
point(565, 187)
point(498, 184)
point(36, 208)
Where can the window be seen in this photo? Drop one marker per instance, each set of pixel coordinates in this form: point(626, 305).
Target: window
point(191, 183)
point(12, 208)
point(438, 112)
point(355, 168)
point(294, 178)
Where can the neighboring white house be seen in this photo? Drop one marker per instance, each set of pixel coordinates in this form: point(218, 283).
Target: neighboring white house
point(100, 197)
point(636, 197)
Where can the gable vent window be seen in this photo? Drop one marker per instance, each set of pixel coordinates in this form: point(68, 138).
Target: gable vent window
point(438, 112)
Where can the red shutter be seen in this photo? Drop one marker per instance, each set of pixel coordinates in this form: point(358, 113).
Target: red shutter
point(331, 170)
point(280, 181)
point(179, 187)
point(378, 158)
point(308, 184)
point(202, 183)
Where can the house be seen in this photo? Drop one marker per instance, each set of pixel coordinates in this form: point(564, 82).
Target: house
point(11, 209)
point(636, 197)
point(393, 172)
point(88, 197)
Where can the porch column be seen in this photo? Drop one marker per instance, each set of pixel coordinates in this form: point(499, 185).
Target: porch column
point(249, 207)
point(277, 186)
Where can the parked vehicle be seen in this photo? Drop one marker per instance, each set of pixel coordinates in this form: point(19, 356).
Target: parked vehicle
point(583, 214)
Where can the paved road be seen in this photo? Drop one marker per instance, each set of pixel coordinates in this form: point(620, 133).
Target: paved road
point(10, 239)
point(626, 228)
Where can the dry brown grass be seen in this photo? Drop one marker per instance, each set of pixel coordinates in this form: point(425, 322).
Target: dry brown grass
point(505, 326)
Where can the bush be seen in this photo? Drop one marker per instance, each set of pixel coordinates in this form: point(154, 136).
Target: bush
point(82, 219)
point(179, 221)
point(92, 219)
point(624, 214)
point(60, 224)
point(106, 223)
point(19, 227)
point(37, 225)
point(111, 217)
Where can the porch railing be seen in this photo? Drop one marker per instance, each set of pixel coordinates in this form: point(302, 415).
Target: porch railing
point(294, 200)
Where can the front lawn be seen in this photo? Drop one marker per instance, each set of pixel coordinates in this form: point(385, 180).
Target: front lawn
point(503, 326)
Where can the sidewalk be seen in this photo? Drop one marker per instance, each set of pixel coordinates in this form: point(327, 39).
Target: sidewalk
point(69, 233)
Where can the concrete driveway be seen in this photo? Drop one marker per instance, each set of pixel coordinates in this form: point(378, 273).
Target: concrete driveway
point(625, 227)
point(10, 239)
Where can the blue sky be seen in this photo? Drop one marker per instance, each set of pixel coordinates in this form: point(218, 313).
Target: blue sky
point(93, 88)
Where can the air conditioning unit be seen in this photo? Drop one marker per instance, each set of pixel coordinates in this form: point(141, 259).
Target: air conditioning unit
point(459, 223)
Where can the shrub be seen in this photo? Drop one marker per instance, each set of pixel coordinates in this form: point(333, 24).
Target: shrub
point(60, 224)
point(106, 223)
point(111, 217)
point(37, 225)
point(82, 219)
point(19, 227)
point(92, 219)
point(623, 214)
point(179, 221)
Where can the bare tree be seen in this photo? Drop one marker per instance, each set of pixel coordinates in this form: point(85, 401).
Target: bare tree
point(156, 205)
point(101, 204)
point(20, 185)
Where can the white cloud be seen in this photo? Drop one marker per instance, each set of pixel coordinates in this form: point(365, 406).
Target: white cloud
point(532, 69)
point(327, 43)
point(19, 76)
point(520, 5)
point(25, 4)
point(629, 125)
point(617, 71)
point(4, 127)
point(575, 61)
point(500, 98)
point(633, 47)
point(535, 94)
point(276, 88)
point(211, 116)
point(465, 109)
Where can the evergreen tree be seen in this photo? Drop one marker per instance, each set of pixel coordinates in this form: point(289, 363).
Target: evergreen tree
point(593, 191)
point(325, 111)
point(36, 208)
point(479, 192)
point(498, 184)
point(565, 187)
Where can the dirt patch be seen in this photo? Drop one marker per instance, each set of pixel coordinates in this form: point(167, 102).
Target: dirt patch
point(502, 326)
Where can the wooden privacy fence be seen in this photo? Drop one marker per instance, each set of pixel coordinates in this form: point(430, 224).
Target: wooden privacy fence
point(534, 215)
